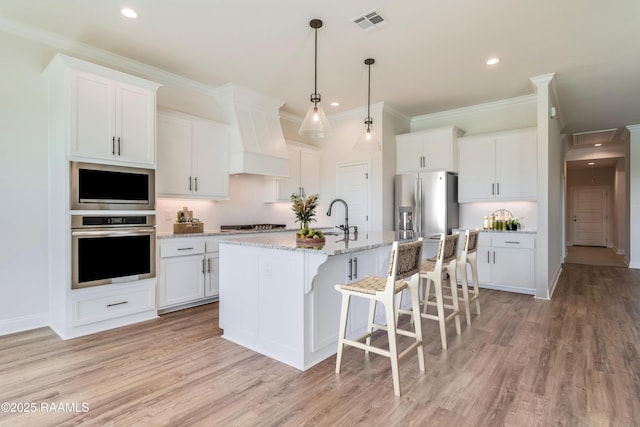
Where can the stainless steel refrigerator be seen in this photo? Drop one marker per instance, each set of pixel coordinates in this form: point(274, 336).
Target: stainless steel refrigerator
point(426, 203)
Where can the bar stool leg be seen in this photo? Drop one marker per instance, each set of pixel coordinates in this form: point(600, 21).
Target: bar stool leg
point(343, 330)
point(465, 292)
point(437, 284)
point(393, 346)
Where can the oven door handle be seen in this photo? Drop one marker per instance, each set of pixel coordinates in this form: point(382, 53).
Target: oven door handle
point(114, 232)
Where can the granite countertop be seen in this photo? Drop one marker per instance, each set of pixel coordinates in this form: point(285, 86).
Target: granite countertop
point(334, 245)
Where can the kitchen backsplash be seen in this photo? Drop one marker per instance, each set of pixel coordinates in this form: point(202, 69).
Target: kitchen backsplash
point(245, 206)
point(471, 214)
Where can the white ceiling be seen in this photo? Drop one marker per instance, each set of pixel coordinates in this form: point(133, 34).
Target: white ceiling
point(430, 55)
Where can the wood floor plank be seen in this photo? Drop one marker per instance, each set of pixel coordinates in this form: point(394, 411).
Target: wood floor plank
point(571, 361)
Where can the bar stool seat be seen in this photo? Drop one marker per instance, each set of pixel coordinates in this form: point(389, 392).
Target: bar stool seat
point(403, 273)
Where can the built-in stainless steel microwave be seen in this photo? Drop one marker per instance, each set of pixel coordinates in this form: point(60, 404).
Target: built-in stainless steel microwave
point(108, 187)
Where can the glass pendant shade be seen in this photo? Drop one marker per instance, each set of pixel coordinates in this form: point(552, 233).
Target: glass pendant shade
point(315, 123)
point(368, 141)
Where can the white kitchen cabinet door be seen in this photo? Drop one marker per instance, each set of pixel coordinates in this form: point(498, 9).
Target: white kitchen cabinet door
point(517, 166)
point(429, 150)
point(135, 124)
point(92, 116)
point(500, 166)
point(181, 280)
point(310, 172)
point(212, 277)
point(303, 179)
point(174, 155)
point(192, 157)
point(210, 160)
point(112, 120)
point(408, 153)
point(476, 179)
point(513, 268)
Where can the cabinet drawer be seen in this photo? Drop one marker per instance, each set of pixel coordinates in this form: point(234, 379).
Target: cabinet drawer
point(181, 248)
point(112, 305)
point(513, 240)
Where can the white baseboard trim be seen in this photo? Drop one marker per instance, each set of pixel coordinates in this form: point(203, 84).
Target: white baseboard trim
point(554, 282)
point(23, 323)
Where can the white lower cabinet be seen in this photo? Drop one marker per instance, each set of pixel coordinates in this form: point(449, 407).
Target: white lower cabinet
point(100, 305)
point(506, 261)
point(189, 269)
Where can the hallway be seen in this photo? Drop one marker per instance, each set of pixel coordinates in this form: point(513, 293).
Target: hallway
point(592, 255)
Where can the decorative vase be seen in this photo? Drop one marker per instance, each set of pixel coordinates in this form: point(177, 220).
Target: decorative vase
point(304, 225)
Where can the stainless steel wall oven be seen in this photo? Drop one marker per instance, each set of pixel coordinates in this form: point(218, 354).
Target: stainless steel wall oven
point(112, 249)
point(107, 187)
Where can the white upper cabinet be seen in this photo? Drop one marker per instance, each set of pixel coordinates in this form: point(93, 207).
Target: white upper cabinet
point(192, 157)
point(429, 150)
point(303, 179)
point(102, 115)
point(110, 119)
point(500, 166)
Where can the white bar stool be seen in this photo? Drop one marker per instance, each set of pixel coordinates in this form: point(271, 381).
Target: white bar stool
point(404, 263)
point(433, 271)
point(469, 256)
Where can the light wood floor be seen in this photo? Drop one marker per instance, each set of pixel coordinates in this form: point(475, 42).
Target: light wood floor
point(571, 361)
point(594, 255)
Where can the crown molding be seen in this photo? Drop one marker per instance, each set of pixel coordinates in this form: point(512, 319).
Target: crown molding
point(489, 106)
point(91, 52)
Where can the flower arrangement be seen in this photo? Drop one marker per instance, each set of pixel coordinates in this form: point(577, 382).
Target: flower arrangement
point(513, 224)
point(304, 209)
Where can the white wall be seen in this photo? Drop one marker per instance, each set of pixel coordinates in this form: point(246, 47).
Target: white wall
point(634, 196)
point(23, 184)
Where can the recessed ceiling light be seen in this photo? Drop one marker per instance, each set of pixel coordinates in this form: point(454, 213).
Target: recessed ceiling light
point(493, 61)
point(597, 145)
point(129, 13)
point(335, 104)
point(591, 163)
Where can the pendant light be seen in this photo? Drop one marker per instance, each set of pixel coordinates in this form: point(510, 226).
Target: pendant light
point(368, 141)
point(315, 123)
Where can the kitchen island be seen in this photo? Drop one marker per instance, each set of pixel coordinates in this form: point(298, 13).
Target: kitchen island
point(278, 298)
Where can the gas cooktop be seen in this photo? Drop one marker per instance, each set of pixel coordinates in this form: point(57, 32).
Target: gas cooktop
point(248, 227)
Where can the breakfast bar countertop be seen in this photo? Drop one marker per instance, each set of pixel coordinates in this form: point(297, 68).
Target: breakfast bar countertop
point(333, 245)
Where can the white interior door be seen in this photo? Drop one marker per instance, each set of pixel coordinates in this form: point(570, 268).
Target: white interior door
point(589, 216)
point(353, 187)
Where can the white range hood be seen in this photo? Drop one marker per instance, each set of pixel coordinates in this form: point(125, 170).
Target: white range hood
point(257, 144)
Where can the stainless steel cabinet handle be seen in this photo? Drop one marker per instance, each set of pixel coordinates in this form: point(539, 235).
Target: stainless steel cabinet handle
point(493, 188)
point(498, 187)
point(494, 257)
point(515, 243)
point(117, 303)
point(118, 146)
point(189, 183)
point(350, 269)
point(209, 266)
point(113, 145)
point(488, 262)
point(185, 249)
point(196, 179)
point(355, 267)
point(203, 267)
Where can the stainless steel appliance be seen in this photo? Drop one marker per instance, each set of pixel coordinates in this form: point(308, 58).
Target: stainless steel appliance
point(253, 227)
point(112, 249)
point(107, 187)
point(426, 203)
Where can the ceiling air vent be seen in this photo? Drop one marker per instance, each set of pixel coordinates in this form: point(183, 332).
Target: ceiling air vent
point(369, 21)
point(583, 139)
